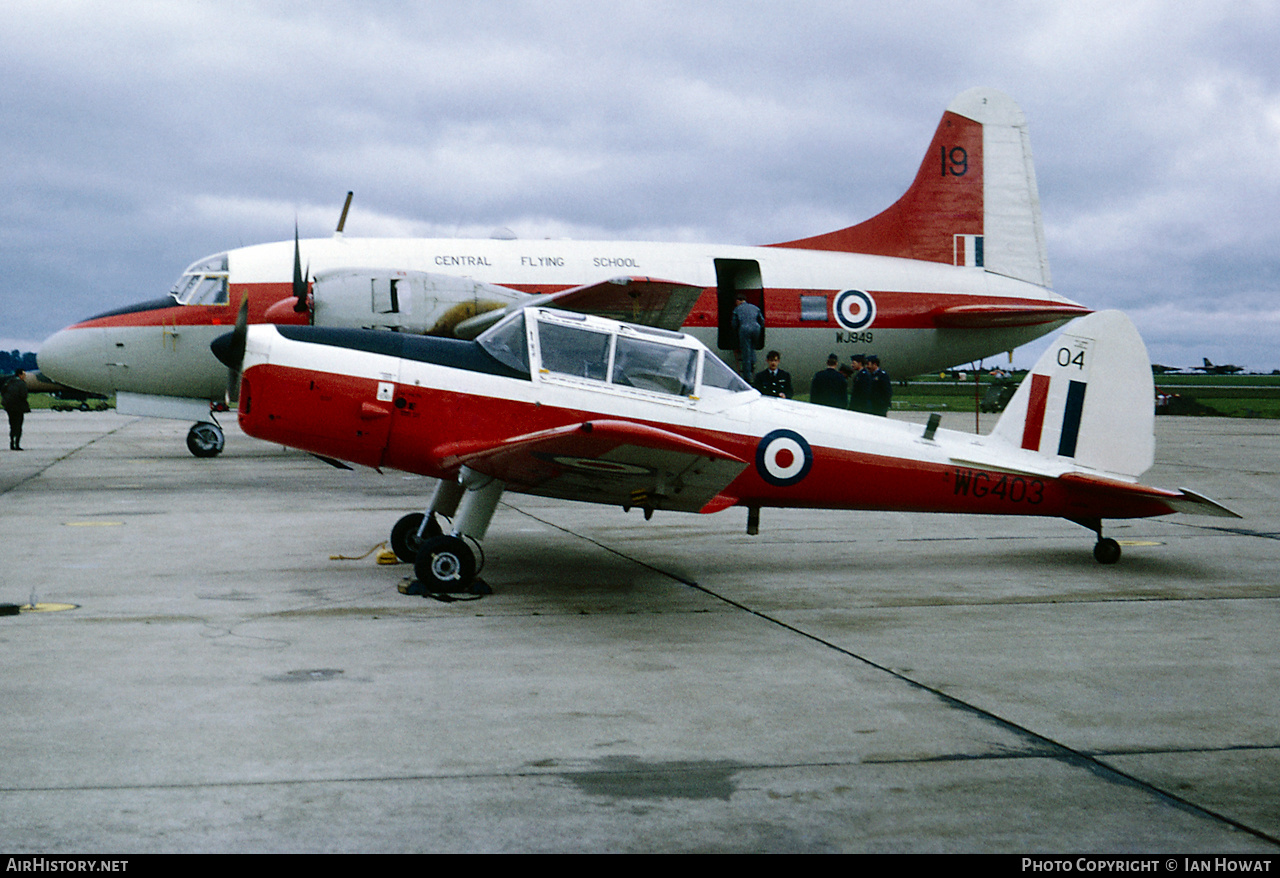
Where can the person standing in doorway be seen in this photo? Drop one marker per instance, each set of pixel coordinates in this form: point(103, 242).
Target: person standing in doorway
point(747, 325)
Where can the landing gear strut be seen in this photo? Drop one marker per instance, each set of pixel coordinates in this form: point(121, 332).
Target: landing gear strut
point(206, 439)
point(445, 562)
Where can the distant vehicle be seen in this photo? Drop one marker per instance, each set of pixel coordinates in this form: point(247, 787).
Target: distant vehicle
point(1212, 369)
point(998, 394)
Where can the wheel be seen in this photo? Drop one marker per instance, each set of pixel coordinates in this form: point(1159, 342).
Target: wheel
point(1107, 551)
point(404, 535)
point(205, 439)
point(445, 564)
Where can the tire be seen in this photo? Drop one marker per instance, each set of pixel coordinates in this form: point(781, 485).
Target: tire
point(445, 564)
point(1107, 551)
point(404, 536)
point(205, 439)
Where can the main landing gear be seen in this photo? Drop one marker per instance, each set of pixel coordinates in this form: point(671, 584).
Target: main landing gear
point(1106, 550)
point(445, 562)
point(206, 439)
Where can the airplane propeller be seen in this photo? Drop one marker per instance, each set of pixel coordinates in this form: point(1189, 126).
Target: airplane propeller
point(300, 279)
point(229, 349)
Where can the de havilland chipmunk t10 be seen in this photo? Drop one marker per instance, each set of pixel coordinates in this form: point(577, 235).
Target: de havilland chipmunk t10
point(579, 407)
point(954, 271)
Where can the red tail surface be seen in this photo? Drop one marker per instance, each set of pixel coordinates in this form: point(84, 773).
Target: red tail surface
point(974, 201)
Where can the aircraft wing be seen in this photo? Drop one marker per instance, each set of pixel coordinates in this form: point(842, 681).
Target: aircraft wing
point(999, 316)
point(644, 300)
point(605, 461)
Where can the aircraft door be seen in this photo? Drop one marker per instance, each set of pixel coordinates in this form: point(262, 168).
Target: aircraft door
point(735, 276)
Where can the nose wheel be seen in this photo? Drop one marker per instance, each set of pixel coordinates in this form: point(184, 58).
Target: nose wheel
point(205, 439)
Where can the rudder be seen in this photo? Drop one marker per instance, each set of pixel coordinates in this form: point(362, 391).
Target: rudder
point(1090, 398)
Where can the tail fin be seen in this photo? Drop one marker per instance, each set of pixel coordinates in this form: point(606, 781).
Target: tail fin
point(1090, 398)
point(974, 200)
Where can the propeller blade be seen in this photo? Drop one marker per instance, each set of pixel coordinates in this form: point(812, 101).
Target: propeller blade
point(299, 282)
point(229, 349)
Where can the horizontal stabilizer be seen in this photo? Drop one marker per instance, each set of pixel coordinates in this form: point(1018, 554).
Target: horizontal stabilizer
point(1130, 500)
point(1000, 316)
point(1197, 504)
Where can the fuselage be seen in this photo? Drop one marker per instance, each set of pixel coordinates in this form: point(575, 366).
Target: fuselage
point(423, 406)
point(814, 303)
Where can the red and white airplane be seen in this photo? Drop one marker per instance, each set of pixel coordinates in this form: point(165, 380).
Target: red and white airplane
point(954, 271)
point(578, 407)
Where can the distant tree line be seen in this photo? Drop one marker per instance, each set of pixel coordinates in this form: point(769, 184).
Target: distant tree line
point(12, 361)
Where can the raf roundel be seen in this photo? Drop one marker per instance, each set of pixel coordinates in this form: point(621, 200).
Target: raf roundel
point(855, 309)
point(783, 458)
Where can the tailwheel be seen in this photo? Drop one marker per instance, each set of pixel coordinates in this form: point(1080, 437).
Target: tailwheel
point(445, 564)
point(404, 535)
point(205, 439)
point(1106, 551)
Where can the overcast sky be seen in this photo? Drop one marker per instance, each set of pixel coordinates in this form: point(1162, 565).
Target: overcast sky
point(139, 137)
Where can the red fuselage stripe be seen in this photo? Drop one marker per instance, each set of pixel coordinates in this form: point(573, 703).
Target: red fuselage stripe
point(894, 310)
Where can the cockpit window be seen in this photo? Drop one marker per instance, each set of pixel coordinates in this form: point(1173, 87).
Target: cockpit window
point(648, 365)
point(507, 344)
point(716, 374)
point(204, 283)
point(568, 350)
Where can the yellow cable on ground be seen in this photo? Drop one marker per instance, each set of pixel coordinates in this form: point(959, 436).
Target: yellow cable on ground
point(385, 557)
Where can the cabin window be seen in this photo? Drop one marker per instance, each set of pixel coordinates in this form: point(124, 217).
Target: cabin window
point(648, 365)
point(813, 308)
point(569, 350)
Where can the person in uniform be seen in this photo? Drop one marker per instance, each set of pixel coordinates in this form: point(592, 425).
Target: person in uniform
point(16, 406)
point(747, 325)
point(880, 396)
point(860, 386)
point(829, 386)
point(774, 380)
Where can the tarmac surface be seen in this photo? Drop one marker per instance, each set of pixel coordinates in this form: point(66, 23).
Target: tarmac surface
point(842, 682)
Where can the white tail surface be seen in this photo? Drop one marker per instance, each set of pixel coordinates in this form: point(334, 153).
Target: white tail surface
point(1089, 400)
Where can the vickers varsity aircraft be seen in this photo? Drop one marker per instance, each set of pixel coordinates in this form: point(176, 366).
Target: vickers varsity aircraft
point(578, 407)
point(954, 271)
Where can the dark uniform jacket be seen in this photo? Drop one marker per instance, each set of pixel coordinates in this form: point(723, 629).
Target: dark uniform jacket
point(774, 384)
point(829, 388)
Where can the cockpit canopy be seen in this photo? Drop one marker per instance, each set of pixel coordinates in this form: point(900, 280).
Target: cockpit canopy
point(203, 283)
point(619, 355)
